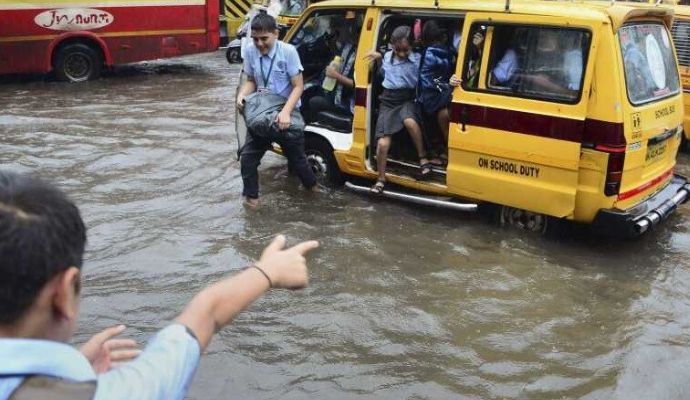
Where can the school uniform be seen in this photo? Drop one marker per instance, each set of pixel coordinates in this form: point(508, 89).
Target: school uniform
point(399, 92)
point(272, 73)
point(163, 371)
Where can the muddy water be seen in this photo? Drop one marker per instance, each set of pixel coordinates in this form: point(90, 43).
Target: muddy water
point(404, 302)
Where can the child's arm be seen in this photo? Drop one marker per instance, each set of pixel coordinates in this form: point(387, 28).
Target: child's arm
point(373, 56)
point(283, 118)
point(248, 87)
point(215, 306)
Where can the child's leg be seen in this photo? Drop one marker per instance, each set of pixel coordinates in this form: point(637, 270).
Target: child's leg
point(443, 119)
point(382, 147)
point(416, 134)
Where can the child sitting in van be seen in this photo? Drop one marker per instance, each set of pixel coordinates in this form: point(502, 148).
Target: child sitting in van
point(435, 70)
point(400, 68)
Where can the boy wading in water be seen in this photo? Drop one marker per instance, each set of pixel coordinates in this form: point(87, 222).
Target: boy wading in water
point(398, 110)
point(272, 66)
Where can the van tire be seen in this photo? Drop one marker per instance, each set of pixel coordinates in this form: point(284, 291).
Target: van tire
point(322, 161)
point(232, 54)
point(523, 220)
point(77, 62)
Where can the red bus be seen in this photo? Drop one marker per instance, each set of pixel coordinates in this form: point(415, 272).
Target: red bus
point(76, 39)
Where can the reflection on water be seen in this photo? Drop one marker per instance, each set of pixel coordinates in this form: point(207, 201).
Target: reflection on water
point(404, 302)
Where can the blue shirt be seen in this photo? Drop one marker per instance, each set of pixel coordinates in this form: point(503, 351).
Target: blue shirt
point(163, 371)
point(400, 74)
point(276, 79)
point(505, 68)
point(572, 65)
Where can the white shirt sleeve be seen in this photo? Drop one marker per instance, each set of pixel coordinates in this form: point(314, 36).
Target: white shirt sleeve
point(163, 371)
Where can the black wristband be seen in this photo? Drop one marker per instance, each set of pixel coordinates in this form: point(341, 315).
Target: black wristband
point(270, 282)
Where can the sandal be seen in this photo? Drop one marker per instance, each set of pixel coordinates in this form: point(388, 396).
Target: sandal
point(378, 187)
point(437, 162)
point(424, 171)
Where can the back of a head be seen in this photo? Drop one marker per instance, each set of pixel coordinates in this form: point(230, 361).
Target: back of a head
point(263, 22)
point(432, 33)
point(41, 235)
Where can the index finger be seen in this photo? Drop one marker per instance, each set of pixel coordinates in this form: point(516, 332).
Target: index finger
point(305, 247)
point(110, 332)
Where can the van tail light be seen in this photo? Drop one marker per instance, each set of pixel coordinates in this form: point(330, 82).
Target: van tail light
point(608, 137)
point(614, 170)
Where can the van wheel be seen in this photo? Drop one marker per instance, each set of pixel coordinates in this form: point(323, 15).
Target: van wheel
point(77, 62)
point(523, 220)
point(322, 161)
point(233, 55)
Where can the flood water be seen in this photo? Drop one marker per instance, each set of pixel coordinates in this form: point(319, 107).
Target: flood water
point(404, 302)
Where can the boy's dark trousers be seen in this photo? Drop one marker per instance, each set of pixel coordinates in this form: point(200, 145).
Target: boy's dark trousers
point(255, 148)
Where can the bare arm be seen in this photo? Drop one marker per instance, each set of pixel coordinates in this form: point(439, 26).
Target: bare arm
point(216, 305)
point(283, 118)
point(248, 87)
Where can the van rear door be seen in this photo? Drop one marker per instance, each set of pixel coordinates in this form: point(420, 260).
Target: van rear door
point(518, 119)
point(654, 108)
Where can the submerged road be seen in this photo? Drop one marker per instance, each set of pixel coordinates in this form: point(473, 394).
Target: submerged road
point(404, 302)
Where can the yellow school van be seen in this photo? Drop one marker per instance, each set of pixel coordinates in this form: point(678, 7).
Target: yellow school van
point(584, 127)
point(681, 38)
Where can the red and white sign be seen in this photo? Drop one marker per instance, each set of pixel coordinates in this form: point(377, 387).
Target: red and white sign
point(74, 19)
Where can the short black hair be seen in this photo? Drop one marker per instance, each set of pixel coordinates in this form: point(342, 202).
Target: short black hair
point(401, 34)
point(263, 22)
point(41, 235)
point(432, 33)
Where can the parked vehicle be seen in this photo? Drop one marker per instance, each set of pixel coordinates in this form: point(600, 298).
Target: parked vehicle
point(286, 14)
point(76, 41)
point(600, 150)
point(681, 39)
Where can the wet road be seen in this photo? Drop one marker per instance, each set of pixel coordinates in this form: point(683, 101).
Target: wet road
point(404, 302)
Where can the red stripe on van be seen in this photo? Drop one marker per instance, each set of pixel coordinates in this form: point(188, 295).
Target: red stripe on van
point(640, 189)
point(590, 131)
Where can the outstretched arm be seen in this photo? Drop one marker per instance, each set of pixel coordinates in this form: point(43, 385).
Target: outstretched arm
point(215, 306)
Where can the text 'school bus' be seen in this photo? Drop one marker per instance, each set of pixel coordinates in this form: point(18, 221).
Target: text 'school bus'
point(681, 38)
point(568, 111)
point(77, 38)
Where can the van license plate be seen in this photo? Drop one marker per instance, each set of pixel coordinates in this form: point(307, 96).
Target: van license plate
point(655, 152)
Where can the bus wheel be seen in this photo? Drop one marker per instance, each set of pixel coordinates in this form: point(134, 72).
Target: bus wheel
point(233, 55)
point(322, 162)
point(77, 62)
point(523, 220)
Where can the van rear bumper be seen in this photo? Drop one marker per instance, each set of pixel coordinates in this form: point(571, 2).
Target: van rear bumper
point(643, 216)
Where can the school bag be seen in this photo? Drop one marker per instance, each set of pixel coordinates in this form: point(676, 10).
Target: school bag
point(260, 112)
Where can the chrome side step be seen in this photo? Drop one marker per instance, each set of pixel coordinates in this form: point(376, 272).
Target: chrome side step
point(417, 199)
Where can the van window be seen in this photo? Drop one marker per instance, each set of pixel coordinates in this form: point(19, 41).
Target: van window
point(649, 64)
point(319, 38)
point(292, 8)
point(534, 62)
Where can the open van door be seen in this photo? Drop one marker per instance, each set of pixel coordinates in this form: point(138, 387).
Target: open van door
point(518, 119)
